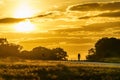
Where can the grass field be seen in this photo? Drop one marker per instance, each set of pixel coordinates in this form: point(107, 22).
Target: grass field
point(58, 70)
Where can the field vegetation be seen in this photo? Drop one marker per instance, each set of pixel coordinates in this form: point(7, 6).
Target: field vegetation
point(57, 70)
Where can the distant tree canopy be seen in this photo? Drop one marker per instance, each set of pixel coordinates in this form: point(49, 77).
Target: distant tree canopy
point(105, 48)
point(8, 49)
point(42, 53)
point(37, 53)
point(59, 54)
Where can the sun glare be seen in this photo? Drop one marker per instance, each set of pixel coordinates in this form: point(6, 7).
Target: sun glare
point(25, 26)
point(23, 11)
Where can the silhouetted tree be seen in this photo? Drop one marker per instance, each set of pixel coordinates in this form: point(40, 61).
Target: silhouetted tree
point(59, 54)
point(40, 53)
point(108, 47)
point(24, 54)
point(91, 54)
point(91, 51)
point(105, 48)
point(9, 50)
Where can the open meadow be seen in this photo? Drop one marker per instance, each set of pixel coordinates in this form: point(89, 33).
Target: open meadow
point(58, 70)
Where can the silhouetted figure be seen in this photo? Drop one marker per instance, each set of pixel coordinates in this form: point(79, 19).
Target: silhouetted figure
point(78, 56)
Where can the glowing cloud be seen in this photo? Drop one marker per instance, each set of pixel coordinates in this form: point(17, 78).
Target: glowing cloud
point(25, 26)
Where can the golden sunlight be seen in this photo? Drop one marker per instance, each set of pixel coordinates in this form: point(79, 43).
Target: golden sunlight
point(25, 26)
point(24, 11)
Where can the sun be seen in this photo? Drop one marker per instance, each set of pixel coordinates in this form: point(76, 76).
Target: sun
point(23, 11)
point(25, 26)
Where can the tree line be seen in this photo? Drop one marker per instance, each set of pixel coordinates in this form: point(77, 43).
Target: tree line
point(38, 53)
point(104, 48)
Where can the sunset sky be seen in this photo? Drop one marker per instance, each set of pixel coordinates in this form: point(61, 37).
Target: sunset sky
point(74, 25)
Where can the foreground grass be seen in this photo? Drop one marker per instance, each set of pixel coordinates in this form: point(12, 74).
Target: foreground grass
point(13, 71)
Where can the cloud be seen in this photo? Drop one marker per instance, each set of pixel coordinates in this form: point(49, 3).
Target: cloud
point(16, 20)
point(86, 17)
point(111, 6)
point(96, 27)
point(68, 30)
point(59, 40)
point(117, 32)
point(106, 14)
point(109, 14)
point(11, 20)
point(47, 14)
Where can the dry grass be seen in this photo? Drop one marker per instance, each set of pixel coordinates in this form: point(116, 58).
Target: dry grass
point(57, 70)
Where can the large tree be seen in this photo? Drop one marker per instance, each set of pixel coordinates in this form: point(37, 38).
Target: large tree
point(9, 50)
point(105, 48)
point(40, 53)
